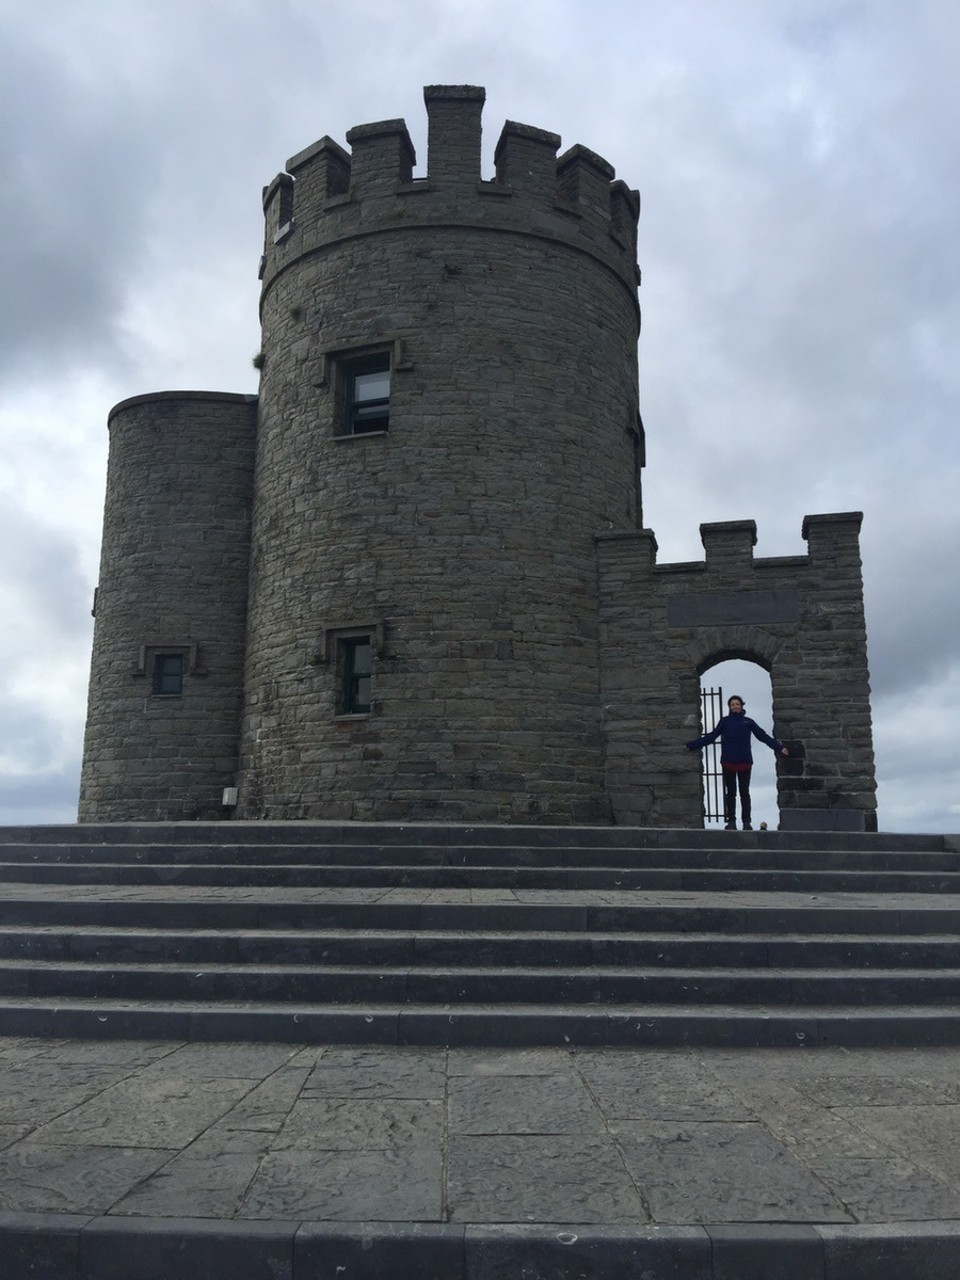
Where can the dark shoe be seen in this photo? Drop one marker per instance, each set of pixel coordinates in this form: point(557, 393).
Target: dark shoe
point(747, 826)
point(731, 826)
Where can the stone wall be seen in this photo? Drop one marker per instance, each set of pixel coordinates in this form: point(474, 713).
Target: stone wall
point(799, 617)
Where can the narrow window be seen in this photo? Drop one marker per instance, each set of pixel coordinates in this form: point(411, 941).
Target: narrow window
point(357, 665)
point(366, 399)
point(168, 673)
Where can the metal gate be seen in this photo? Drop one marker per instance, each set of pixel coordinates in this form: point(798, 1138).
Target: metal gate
point(711, 709)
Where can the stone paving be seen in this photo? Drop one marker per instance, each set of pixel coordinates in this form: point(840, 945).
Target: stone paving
point(609, 1138)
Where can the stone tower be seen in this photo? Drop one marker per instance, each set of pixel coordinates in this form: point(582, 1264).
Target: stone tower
point(453, 531)
point(410, 579)
point(170, 607)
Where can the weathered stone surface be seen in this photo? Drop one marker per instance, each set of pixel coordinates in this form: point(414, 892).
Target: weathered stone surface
point(691, 1171)
point(406, 1073)
point(214, 1061)
point(888, 1189)
point(402, 1184)
point(876, 1091)
point(808, 1129)
point(659, 1086)
point(266, 1106)
point(145, 1112)
point(46, 1090)
point(513, 1178)
point(928, 1134)
point(361, 1124)
point(209, 1188)
point(39, 1177)
point(519, 1104)
point(669, 1149)
point(505, 1062)
point(117, 1057)
point(10, 1133)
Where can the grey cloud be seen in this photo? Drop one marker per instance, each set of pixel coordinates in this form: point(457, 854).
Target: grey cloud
point(71, 208)
point(49, 595)
point(44, 798)
point(913, 602)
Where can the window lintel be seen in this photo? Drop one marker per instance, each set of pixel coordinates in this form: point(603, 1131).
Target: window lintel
point(190, 649)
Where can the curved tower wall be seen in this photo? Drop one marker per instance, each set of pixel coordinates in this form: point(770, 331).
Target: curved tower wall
point(173, 581)
point(461, 538)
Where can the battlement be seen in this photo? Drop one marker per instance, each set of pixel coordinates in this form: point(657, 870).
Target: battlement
point(453, 141)
point(328, 192)
point(833, 539)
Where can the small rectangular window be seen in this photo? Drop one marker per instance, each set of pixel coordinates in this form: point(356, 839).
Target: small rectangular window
point(168, 673)
point(356, 666)
point(366, 394)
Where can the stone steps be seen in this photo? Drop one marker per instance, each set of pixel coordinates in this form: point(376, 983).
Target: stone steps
point(448, 836)
point(516, 1026)
point(480, 936)
point(546, 912)
point(755, 856)
point(273, 875)
point(426, 985)
point(381, 947)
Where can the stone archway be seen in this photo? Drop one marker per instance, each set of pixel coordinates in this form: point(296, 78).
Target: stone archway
point(799, 617)
point(710, 646)
point(741, 675)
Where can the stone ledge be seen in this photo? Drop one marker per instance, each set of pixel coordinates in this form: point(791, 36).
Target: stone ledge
point(63, 1247)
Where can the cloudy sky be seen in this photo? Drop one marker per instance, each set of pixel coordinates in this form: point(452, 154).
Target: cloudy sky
point(799, 165)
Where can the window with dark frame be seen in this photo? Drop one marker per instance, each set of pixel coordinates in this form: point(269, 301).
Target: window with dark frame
point(356, 654)
point(366, 394)
point(168, 674)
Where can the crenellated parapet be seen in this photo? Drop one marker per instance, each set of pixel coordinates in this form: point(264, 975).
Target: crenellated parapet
point(833, 542)
point(329, 194)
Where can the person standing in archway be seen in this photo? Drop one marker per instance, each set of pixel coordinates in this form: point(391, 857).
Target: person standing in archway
point(735, 730)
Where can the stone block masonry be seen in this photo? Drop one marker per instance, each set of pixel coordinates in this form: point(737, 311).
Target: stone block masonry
point(173, 580)
point(799, 617)
point(463, 535)
point(469, 533)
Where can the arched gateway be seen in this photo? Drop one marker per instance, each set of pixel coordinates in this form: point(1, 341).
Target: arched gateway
point(377, 592)
point(799, 617)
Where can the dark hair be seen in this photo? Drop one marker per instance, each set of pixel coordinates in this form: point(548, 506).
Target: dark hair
point(735, 697)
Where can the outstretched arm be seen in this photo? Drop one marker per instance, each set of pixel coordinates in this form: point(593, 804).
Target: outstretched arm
point(696, 743)
point(773, 743)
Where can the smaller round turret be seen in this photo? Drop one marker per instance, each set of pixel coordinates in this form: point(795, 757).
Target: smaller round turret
point(167, 670)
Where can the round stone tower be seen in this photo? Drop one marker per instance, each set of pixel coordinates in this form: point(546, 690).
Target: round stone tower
point(168, 646)
point(447, 418)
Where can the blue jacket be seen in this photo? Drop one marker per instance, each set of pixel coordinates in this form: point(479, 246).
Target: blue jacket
point(734, 732)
